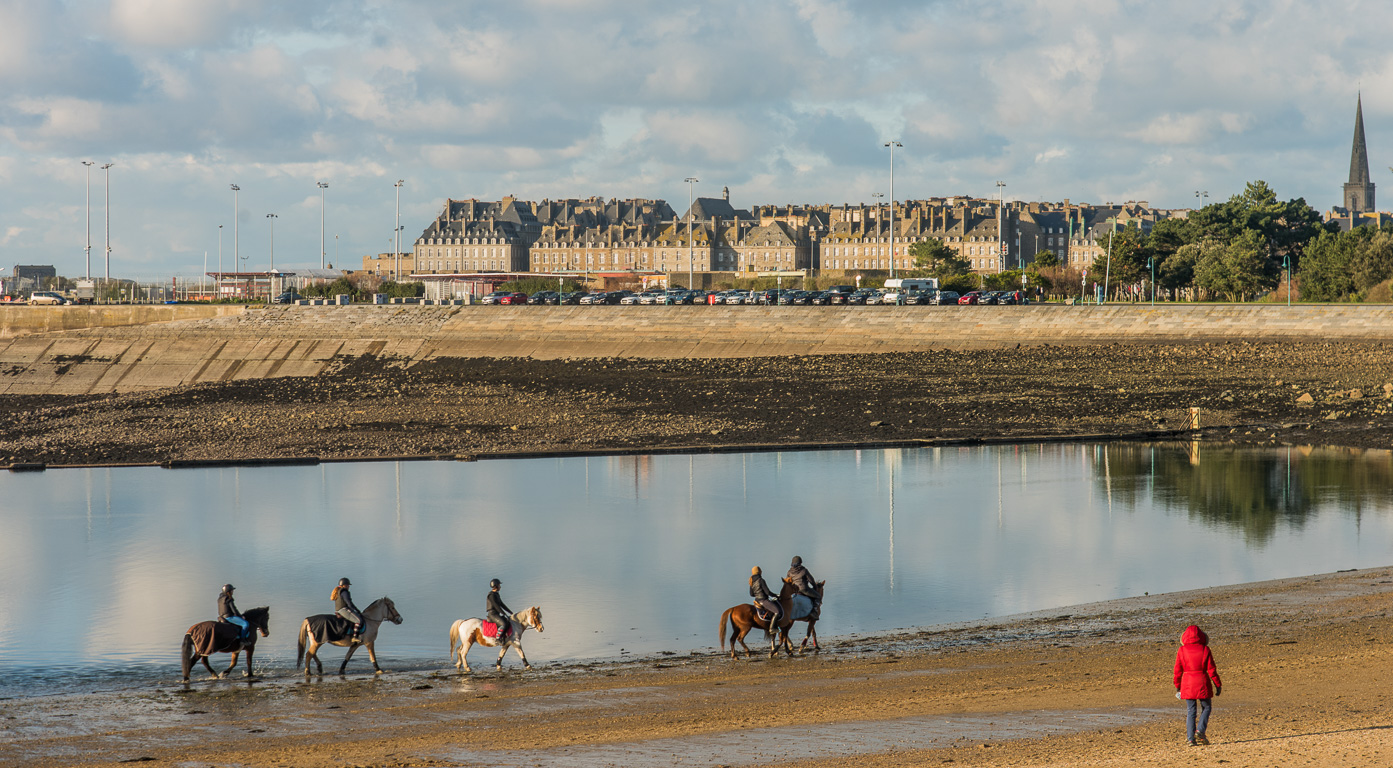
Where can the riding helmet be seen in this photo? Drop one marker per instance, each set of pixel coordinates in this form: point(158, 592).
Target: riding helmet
point(495, 584)
point(797, 561)
point(344, 582)
point(228, 587)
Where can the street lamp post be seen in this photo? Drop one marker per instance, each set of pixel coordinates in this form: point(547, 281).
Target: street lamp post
point(89, 165)
point(892, 144)
point(235, 253)
point(1202, 196)
point(270, 274)
point(219, 281)
point(1286, 267)
point(691, 180)
point(323, 185)
point(396, 235)
point(107, 168)
point(1151, 262)
point(1000, 235)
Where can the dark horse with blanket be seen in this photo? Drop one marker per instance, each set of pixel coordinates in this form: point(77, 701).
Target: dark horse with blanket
point(209, 637)
point(746, 617)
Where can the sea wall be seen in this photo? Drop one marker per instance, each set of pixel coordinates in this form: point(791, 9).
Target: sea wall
point(23, 320)
point(302, 341)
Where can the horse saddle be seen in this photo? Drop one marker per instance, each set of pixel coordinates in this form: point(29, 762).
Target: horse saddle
point(491, 630)
point(802, 607)
point(330, 628)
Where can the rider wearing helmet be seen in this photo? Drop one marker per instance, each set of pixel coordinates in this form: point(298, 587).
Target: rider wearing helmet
point(498, 611)
point(343, 606)
point(806, 585)
point(227, 611)
point(764, 599)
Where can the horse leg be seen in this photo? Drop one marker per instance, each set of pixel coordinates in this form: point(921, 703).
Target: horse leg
point(501, 653)
point(231, 666)
point(522, 656)
point(351, 648)
point(463, 650)
point(208, 666)
point(372, 656)
point(248, 672)
point(312, 654)
point(741, 638)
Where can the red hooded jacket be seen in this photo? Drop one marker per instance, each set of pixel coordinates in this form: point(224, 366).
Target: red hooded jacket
point(1194, 665)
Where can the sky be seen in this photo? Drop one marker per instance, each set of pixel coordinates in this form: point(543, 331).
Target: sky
point(782, 101)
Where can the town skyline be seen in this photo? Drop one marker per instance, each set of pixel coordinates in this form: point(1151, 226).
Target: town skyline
point(783, 104)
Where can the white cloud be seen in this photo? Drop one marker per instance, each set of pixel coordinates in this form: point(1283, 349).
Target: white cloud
point(1071, 98)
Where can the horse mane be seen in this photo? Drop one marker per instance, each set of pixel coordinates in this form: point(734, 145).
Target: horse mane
point(257, 617)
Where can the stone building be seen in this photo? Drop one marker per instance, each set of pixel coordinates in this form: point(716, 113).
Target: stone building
point(1358, 192)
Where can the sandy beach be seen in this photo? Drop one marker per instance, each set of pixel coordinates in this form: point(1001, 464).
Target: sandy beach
point(1307, 665)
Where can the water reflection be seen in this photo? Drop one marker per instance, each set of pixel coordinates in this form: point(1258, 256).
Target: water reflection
point(903, 537)
point(1252, 491)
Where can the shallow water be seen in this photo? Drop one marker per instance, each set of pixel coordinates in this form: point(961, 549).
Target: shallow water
point(101, 571)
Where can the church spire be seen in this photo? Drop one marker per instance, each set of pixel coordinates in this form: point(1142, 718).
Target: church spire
point(1359, 191)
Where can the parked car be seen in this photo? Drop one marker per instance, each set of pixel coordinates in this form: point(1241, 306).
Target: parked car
point(496, 297)
point(971, 297)
point(839, 294)
point(571, 297)
point(289, 297)
point(946, 297)
point(633, 298)
point(541, 297)
point(820, 298)
point(515, 298)
point(917, 298)
point(732, 298)
point(48, 297)
point(862, 296)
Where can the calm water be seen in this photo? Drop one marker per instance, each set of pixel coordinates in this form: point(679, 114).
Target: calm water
point(630, 556)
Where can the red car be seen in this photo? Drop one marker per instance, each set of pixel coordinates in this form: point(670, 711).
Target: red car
point(971, 297)
point(513, 298)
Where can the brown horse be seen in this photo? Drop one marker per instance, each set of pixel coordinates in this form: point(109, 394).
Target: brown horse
point(744, 618)
point(786, 595)
point(208, 637)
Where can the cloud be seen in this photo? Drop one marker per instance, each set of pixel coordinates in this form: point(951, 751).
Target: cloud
point(788, 100)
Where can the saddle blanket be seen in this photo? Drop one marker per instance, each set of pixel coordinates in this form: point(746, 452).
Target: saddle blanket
point(489, 629)
point(210, 637)
point(802, 607)
point(329, 628)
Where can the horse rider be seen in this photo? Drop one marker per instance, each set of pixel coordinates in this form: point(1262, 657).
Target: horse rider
point(498, 612)
point(764, 599)
point(806, 585)
point(227, 611)
point(343, 606)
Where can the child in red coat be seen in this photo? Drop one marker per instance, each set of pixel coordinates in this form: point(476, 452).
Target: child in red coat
point(1194, 670)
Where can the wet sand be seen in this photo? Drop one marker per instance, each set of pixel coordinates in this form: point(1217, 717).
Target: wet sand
point(1307, 665)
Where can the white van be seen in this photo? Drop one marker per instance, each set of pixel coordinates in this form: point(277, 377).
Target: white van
point(895, 286)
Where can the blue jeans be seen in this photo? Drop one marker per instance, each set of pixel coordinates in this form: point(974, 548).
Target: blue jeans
point(1190, 730)
point(240, 623)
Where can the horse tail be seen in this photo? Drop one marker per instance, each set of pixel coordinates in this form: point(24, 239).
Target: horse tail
point(725, 616)
point(300, 644)
point(454, 639)
point(186, 655)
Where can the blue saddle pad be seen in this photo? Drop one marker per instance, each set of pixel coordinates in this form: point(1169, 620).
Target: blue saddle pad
point(802, 606)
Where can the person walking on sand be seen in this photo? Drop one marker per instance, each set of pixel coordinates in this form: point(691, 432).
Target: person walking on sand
point(1194, 673)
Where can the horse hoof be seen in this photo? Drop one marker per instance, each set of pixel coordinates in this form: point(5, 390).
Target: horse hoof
point(380, 671)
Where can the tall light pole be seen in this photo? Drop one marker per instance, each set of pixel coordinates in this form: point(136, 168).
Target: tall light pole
point(691, 180)
point(396, 235)
point(270, 276)
point(89, 165)
point(892, 144)
point(107, 168)
point(336, 250)
point(1000, 234)
point(323, 185)
point(219, 282)
point(1203, 196)
point(880, 196)
point(235, 190)
point(1286, 267)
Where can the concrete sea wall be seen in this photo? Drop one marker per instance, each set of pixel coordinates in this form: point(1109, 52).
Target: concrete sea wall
point(302, 341)
point(22, 320)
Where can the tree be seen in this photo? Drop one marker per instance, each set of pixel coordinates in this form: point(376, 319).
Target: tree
point(1046, 259)
point(1237, 269)
point(938, 260)
point(1126, 254)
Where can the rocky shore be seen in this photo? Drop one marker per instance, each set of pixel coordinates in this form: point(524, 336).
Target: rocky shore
point(369, 407)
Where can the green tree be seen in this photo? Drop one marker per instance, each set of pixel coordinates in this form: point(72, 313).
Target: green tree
point(1046, 259)
point(1126, 253)
point(1237, 269)
point(1327, 271)
point(1178, 269)
point(938, 260)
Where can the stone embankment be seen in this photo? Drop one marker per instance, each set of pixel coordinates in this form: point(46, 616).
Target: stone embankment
point(90, 350)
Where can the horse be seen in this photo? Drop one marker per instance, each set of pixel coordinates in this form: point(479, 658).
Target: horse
point(744, 618)
point(208, 637)
point(464, 633)
point(308, 648)
point(786, 597)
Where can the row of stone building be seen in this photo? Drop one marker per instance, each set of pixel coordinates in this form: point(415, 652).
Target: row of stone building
point(638, 235)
